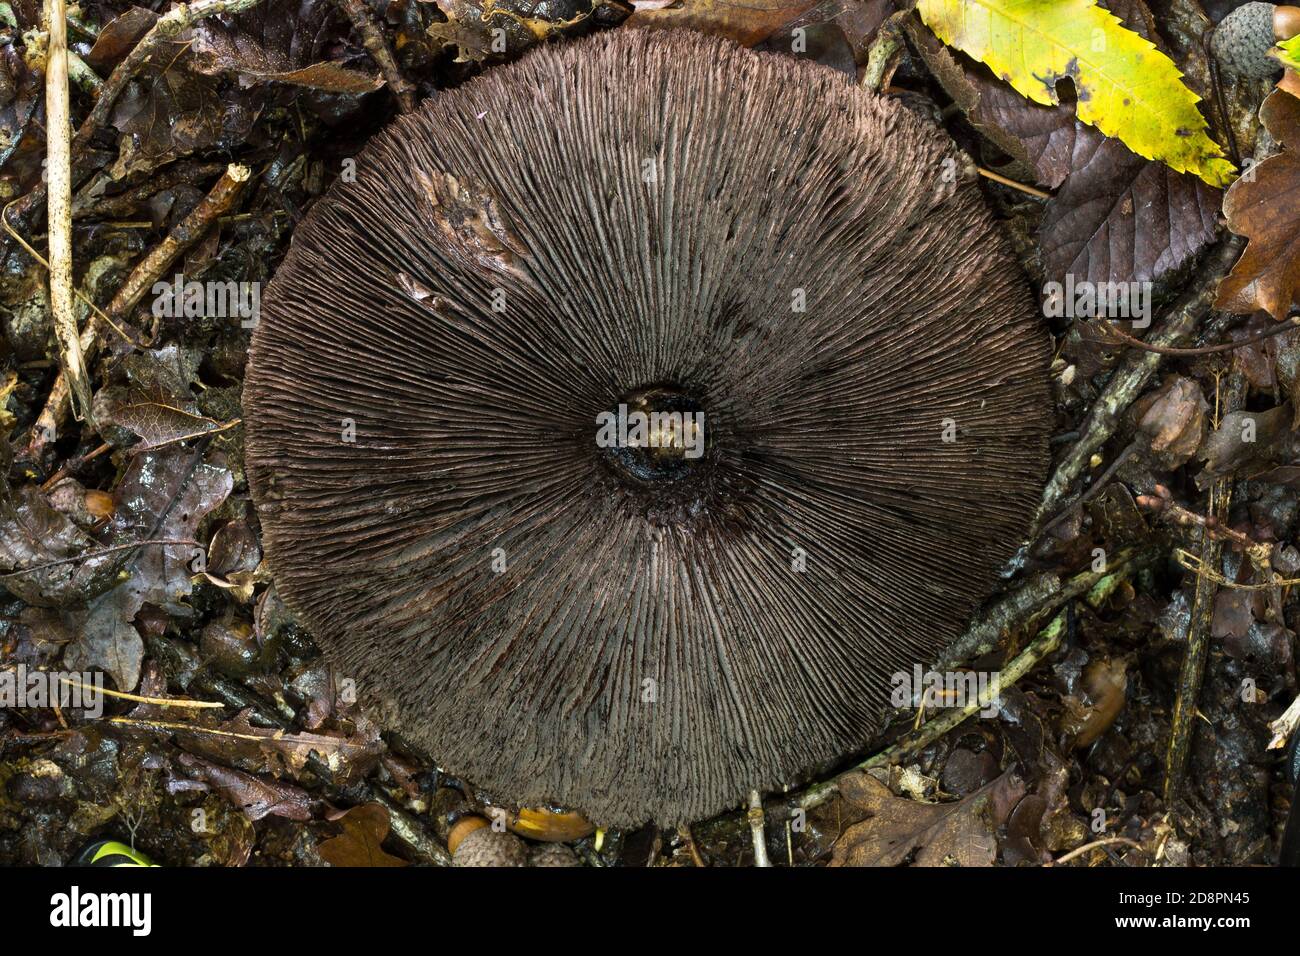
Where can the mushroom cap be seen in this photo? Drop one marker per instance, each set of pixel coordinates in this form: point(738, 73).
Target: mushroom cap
point(663, 220)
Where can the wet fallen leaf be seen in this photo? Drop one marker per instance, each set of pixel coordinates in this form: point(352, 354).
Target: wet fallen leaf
point(1125, 86)
point(1173, 418)
point(1248, 442)
point(902, 831)
point(169, 110)
point(253, 795)
point(746, 21)
point(155, 417)
point(1264, 206)
point(283, 41)
point(1103, 686)
point(34, 533)
point(1116, 217)
point(360, 843)
point(503, 29)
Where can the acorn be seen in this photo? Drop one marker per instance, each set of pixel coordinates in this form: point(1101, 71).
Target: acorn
point(1242, 40)
point(552, 854)
point(483, 846)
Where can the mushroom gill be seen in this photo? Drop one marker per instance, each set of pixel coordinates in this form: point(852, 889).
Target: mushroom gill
point(655, 222)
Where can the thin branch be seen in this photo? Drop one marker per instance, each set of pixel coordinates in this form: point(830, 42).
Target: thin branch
point(139, 699)
point(757, 829)
point(58, 175)
point(374, 42)
point(1289, 325)
point(188, 231)
point(100, 552)
point(1080, 851)
point(1136, 369)
point(1192, 670)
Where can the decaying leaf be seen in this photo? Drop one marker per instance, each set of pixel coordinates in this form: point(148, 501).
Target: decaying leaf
point(169, 111)
point(1125, 86)
point(33, 534)
point(1116, 217)
point(1103, 685)
point(163, 496)
point(1173, 419)
point(281, 41)
point(348, 756)
point(1245, 443)
point(503, 29)
point(157, 418)
point(253, 795)
point(748, 22)
point(1264, 206)
point(902, 831)
point(360, 843)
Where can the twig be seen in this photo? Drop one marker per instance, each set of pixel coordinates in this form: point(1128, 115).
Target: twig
point(1161, 501)
point(688, 838)
point(1133, 373)
point(757, 829)
point(1285, 725)
point(887, 42)
point(1093, 490)
point(100, 552)
point(1080, 851)
point(159, 701)
point(375, 44)
point(166, 28)
point(1192, 671)
point(58, 176)
point(1047, 641)
point(188, 231)
point(1289, 325)
point(81, 74)
point(1041, 595)
point(73, 464)
point(999, 178)
point(89, 302)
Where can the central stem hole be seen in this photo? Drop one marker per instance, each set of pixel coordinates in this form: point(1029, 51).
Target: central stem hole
point(653, 434)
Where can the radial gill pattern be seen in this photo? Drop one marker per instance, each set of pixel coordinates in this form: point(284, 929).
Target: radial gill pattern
point(655, 222)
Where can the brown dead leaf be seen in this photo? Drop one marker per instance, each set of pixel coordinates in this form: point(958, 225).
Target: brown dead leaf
point(256, 797)
point(902, 831)
point(503, 29)
point(283, 41)
point(746, 21)
point(1116, 217)
point(1264, 206)
point(1103, 683)
point(360, 843)
point(1173, 418)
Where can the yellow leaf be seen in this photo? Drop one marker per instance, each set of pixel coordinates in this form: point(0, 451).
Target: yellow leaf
point(1125, 86)
point(1288, 51)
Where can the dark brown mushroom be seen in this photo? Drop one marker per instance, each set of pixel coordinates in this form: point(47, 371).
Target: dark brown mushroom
point(671, 223)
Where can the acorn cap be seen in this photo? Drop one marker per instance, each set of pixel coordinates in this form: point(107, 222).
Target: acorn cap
point(488, 847)
point(1242, 39)
point(552, 854)
point(567, 612)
